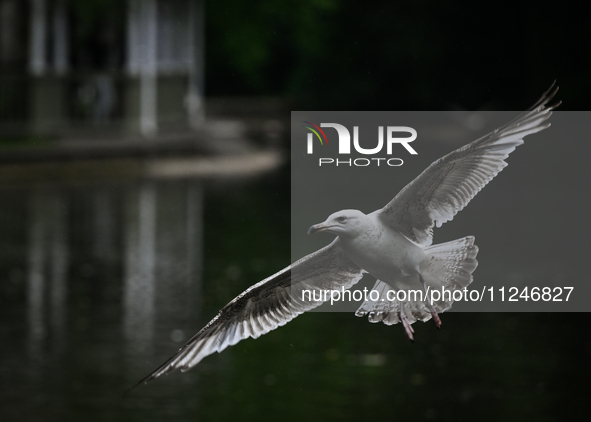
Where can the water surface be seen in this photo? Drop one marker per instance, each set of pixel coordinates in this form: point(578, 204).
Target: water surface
point(100, 283)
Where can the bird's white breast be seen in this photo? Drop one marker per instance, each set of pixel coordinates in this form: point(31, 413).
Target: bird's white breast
point(384, 253)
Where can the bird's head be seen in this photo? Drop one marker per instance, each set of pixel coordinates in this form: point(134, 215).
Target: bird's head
point(345, 223)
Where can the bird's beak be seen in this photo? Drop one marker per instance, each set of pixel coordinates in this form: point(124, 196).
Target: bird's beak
point(318, 228)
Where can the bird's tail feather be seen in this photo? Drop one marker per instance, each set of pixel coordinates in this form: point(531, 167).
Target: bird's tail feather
point(448, 266)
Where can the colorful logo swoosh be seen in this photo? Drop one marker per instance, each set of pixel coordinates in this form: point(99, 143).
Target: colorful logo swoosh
point(315, 132)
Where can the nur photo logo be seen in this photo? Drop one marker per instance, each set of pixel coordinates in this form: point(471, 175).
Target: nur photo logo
point(387, 139)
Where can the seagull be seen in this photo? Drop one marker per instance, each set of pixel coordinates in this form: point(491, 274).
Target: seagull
point(393, 244)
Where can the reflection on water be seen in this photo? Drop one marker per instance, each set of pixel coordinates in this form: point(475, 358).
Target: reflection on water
point(152, 232)
point(99, 284)
point(140, 263)
point(162, 238)
point(47, 265)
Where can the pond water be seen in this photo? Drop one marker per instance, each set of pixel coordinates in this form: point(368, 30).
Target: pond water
point(100, 283)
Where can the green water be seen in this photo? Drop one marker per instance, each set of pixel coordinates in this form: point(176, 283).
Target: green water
point(72, 337)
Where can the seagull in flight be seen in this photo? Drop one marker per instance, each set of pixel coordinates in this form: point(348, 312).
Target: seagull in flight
point(393, 244)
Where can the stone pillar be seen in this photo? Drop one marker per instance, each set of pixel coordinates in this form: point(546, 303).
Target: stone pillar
point(141, 91)
point(60, 38)
point(47, 87)
point(194, 100)
point(38, 37)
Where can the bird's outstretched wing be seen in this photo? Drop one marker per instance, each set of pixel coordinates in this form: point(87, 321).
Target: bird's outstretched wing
point(267, 305)
point(448, 184)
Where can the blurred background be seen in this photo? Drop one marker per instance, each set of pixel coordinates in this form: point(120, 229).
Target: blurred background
point(145, 182)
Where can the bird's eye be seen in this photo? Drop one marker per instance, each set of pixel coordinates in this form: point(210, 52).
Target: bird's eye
point(342, 219)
